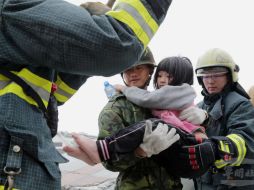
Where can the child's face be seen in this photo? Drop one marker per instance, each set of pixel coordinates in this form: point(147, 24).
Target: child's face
point(164, 78)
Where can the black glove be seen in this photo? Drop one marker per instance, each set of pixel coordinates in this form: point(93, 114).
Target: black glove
point(199, 157)
point(183, 158)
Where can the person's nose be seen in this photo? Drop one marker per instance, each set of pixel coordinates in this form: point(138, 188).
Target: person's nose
point(133, 73)
point(163, 80)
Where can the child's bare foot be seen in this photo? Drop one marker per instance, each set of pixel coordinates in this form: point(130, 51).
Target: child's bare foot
point(88, 146)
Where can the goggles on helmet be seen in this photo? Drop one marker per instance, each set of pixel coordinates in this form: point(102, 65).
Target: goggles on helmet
point(211, 72)
point(213, 76)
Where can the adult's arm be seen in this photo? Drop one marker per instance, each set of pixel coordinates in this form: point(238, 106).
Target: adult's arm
point(240, 125)
point(234, 148)
point(67, 38)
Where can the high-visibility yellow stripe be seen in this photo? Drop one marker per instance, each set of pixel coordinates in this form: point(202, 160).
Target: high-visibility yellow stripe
point(60, 98)
point(241, 148)
point(62, 85)
point(3, 78)
point(2, 188)
point(220, 163)
point(124, 17)
point(224, 147)
point(35, 79)
point(16, 89)
point(63, 92)
point(132, 18)
point(143, 12)
point(39, 84)
point(137, 17)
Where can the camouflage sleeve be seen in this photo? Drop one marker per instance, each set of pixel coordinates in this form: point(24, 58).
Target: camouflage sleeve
point(109, 123)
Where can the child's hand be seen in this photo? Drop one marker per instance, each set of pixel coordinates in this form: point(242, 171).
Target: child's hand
point(119, 87)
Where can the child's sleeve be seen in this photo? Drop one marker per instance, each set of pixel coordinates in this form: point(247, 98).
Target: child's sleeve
point(167, 97)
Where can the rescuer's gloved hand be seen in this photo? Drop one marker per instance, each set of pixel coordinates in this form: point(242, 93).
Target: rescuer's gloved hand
point(194, 115)
point(96, 8)
point(199, 157)
point(159, 139)
point(218, 151)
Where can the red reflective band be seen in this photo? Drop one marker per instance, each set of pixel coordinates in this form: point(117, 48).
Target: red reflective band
point(192, 156)
point(53, 87)
point(196, 167)
point(227, 157)
point(191, 150)
point(193, 162)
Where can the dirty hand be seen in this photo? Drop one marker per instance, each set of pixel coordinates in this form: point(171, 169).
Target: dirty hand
point(119, 87)
point(194, 115)
point(85, 150)
point(159, 139)
point(96, 8)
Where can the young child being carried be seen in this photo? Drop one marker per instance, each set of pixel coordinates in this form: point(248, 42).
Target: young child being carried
point(172, 80)
point(173, 75)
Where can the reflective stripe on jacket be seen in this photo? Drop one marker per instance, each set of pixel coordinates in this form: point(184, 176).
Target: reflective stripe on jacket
point(232, 115)
point(42, 85)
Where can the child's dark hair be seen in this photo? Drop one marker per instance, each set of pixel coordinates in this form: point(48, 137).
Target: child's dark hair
point(180, 68)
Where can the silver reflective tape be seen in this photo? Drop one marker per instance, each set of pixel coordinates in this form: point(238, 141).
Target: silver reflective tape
point(136, 15)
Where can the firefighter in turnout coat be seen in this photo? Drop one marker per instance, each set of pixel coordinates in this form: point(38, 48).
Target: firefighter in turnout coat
point(229, 149)
point(52, 47)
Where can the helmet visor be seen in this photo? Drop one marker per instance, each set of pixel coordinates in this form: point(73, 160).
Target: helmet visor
point(211, 71)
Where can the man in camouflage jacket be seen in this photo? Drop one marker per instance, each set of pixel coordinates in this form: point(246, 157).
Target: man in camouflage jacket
point(135, 172)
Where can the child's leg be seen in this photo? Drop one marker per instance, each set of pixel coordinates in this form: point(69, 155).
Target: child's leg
point(123, 142)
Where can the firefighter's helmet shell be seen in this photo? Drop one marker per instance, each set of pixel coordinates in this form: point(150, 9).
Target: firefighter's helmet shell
point(218, 58)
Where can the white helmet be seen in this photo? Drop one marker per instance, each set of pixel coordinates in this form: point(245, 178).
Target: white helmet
point(218, 58)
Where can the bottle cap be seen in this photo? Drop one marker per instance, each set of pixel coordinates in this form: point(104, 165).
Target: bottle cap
point(106, 83)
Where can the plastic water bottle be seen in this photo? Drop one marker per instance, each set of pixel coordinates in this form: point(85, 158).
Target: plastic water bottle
point(109, 89)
